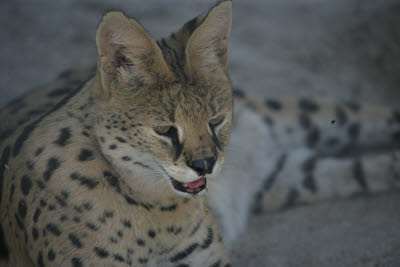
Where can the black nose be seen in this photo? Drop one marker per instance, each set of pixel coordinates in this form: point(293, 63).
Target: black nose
point(202, 166)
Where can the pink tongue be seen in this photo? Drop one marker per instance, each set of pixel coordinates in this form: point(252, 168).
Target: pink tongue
point(196, 184)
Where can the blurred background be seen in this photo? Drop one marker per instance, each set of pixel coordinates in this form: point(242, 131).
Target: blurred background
point(343, 49)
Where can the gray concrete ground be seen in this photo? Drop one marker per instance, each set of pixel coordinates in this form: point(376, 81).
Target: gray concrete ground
point(343, 49)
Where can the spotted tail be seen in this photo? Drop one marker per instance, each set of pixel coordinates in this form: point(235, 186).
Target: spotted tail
point(284, 153)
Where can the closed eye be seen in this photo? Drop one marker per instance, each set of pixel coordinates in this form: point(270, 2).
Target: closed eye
point(172, 133)
point(168, 131)
point(215, 122)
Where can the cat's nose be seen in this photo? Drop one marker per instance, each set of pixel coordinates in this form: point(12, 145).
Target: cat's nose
point(202, 166)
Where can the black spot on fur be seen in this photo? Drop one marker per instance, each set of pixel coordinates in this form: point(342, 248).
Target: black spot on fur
point(140, 242)
point(61, 201)
point(308, 105)
point(76, 262)
point(168, 208)
point(52, 207)
point(26, 236)
point(130, 200)
point(36, 215)
point(271, 178)
point(32, 126)
point(174, 230)
point(291, 198)
point(30, 165)
point(127, 223)
point(19, 222)
point(120, 139)
point(143, 260)
point(309, 183)
point(12, 190)
point(101, 252)
point(106, 214)
point(196, 228)
point(52, 165)
point(64, 137)
point(83, 180)
point(184, 253)
point(118, 258)
point(126, 158)
point(43, 202)
point(22, 208)
point(113, 146)
point(63, 218)
point(209, 239)
point(52, 228)
point(92, 227)
point(151, 233)
point(85, 155)
point(40, 184)
point(113, 240)
point(40, 259)
point(75, 240)
point(112, 180)
point(35, 233)
point(4, 252)
point(26, 184)
point(142, 165)
point(39, 151)
point(273, 104)
point(120, 233)
point(313, 137)
point(309, 165)
point(51, 255)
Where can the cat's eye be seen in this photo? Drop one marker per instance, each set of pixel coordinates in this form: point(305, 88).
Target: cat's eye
point(162, 130)
point(168, 131)
point(215, 122)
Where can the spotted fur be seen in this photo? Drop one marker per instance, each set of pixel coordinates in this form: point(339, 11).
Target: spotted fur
point(86, 162)
point(87, 168)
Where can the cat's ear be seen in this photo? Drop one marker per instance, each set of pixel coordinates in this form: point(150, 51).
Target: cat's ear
point(207, 48)
point(128, 57)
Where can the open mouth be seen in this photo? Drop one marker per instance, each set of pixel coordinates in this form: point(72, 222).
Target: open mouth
point(192, 187)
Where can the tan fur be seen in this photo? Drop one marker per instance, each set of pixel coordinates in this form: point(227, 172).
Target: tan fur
point(86, 171)
point(74, 195)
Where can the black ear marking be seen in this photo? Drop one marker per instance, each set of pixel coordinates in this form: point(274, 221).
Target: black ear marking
point(191, 25)
point(121, 60)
